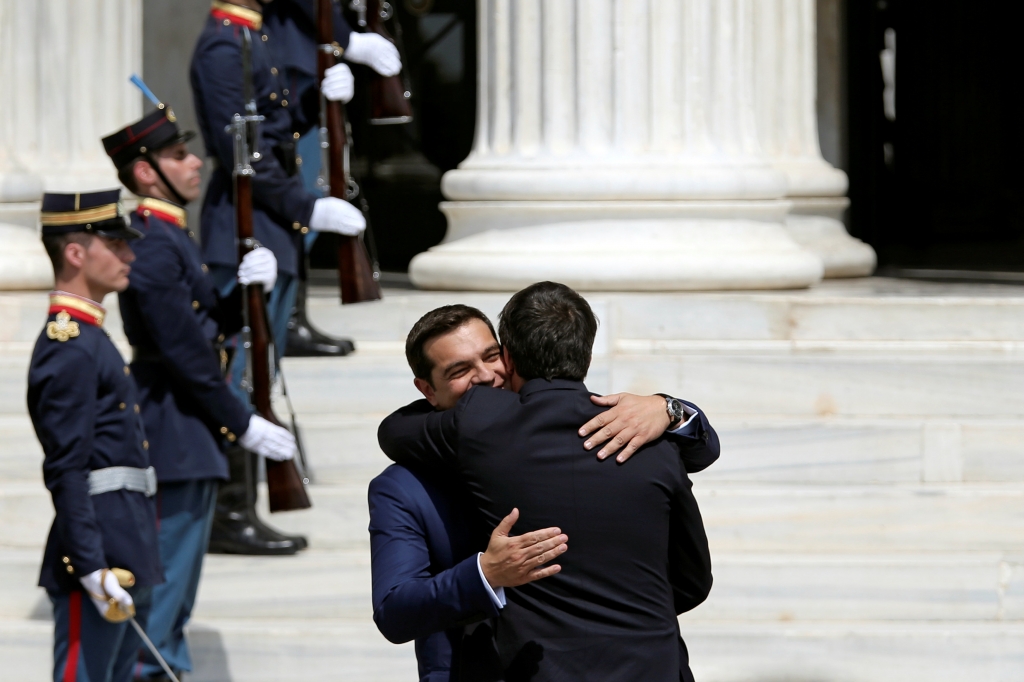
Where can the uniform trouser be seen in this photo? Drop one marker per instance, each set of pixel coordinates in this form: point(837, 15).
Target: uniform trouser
point(279, 309)
point(184, 516)
point(87, 648)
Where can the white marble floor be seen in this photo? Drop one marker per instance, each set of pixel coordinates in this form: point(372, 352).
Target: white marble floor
point(865, 515)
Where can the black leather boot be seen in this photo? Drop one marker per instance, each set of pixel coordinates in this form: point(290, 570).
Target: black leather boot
point(304, 340)
point(236, 528)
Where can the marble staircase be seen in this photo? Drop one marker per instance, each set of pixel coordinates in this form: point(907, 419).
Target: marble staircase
point(865, 517)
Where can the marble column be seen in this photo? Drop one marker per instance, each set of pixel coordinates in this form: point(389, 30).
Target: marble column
point(784, 94)
point(617, 148)
point(64, 65)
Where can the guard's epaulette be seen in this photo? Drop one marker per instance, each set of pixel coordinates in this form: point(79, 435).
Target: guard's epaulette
point(63, 328)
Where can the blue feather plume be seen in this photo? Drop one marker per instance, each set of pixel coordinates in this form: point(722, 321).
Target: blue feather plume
point(145, 89)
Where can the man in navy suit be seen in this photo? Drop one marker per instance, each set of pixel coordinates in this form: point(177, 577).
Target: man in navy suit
point(429, 579)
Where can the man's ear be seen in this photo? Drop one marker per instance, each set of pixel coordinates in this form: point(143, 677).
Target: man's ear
point(510, 367)
point(74, 255)
point(426, 389)
point(144, 174)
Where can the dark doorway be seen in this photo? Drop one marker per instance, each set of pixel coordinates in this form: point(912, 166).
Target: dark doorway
point(399, 167)
point(937, 182)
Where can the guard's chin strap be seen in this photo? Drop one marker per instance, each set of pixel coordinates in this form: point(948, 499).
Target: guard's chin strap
point(180, 200)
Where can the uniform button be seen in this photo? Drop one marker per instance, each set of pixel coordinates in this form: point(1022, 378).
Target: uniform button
point(304, 230)
point(66, 560)
point(296, 226)
point(145, 445)
point(231, 437)
point(205, 269)
point(284, 103)
point(121, 406)
point(264, 37)
point(273, 70)
point(273, 96)
point(296, 136)
point(146, 213)
point(285, 91)
point(71, 569)
point(195, 305)
point(136, 409)
point(223, 429)
point(126, 370)
point(298, 160)
point(220, 339)
point(227, 23)
point(191, 234)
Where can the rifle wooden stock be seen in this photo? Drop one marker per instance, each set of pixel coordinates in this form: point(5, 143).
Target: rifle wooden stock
point(284, 484)
point(355, 272)
point(389, 95)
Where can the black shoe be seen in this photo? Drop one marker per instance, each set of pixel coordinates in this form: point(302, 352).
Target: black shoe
point(306, 342)
point(242, 537)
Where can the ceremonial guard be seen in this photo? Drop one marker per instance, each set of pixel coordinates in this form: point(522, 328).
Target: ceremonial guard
point(293, 24)
point(175, 320)
point(284, 211)
point(101, 558)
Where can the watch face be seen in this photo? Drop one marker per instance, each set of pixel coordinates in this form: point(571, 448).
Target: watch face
point(677, 409)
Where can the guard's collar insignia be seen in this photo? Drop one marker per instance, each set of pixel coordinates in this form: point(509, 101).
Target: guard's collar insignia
point(237, 15)
point(81, 309)
point(164, 210)
point(63, 328)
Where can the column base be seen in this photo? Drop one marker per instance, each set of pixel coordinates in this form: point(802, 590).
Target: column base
point(621, 254)
point(815, 224)
point(24, 264)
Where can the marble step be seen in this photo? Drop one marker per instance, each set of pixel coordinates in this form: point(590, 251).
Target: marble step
point(848, 519)
point(755, 449)
point(768, 587)
point(853, 651)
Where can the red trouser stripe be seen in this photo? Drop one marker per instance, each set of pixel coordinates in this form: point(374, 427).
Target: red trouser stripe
point(74, 636)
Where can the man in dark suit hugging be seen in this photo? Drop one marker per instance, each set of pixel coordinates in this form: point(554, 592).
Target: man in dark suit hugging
point(638, 555)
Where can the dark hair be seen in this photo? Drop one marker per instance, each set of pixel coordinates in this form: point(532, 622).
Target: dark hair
point(126, 174)
point(548, 330)
point(437, 322)
point(55, 243)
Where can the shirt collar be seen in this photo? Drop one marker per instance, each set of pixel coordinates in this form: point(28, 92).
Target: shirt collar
point(164, 210)
point(242, 16)
point(78, 307)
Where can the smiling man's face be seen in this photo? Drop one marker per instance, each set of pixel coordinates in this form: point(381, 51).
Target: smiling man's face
point(466, 357)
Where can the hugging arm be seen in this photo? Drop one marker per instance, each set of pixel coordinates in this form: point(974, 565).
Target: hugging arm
point(689, 555)
point(417, 435)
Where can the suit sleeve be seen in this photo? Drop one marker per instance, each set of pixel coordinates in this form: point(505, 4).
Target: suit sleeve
point(65, 414)
point(700, 448)
point(409, 602)
point(166, 309)
point(417, 435)
point(218, 75)
point(689, 554)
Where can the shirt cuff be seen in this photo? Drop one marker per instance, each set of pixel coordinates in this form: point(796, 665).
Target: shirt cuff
point(497, 595)
point(691, 423)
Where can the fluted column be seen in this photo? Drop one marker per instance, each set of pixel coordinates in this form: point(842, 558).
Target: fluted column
point(617, 147)
point(786, 89)
point(64, 66)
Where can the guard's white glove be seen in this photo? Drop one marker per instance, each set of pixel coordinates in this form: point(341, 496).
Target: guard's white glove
point(338, 84)
point(269, 440)
point(374, 50)
point(101, 587)
point(259, 266)
point(331, 214)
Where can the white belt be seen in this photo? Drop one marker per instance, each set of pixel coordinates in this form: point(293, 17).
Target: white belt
point(123, 478)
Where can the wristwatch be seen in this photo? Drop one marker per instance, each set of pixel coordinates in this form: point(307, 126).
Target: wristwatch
point(674, 407)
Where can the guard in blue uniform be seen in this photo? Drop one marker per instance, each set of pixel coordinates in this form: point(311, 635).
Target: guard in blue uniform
point(85, 411)
point(292, 23)
point(284, 211)
point(175, 319)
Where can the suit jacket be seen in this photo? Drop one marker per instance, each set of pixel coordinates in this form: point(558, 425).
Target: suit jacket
point(173, 316)
point(81, 399)
point(282, 205)
point(638, 554)
point(426, 584)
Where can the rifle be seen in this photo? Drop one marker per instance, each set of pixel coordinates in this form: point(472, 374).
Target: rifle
point(284, 484)
point(389, 95)
point(357, 276)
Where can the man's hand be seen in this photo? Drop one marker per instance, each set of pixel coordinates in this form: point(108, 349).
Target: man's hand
point(331, 214)
point(259, 266)
point(376, 51)
point(105, 592)
point(513, 561)
point(632, 421)
point(268, 440)
point(338, 85)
